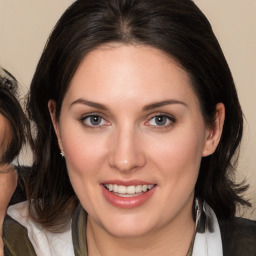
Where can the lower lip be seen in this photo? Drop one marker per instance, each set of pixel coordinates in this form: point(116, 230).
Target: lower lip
point(127, 202)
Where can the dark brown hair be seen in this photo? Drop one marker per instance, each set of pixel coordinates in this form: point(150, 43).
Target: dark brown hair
point(176, 27)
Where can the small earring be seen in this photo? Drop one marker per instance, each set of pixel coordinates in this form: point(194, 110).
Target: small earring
point(62, 154)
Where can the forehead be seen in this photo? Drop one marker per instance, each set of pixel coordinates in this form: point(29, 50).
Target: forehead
point(132, 72)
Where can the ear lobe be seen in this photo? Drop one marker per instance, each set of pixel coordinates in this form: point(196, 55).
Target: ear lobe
point(52, 111)
point(214, 133)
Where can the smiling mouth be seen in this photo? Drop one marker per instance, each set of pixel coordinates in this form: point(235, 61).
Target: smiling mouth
point(128, 191)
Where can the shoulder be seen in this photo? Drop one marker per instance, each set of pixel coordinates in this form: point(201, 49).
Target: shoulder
point(238, 237)
point(23, 236)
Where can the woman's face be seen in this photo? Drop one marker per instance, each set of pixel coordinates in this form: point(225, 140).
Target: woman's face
point(8, 177)
point(133, 136)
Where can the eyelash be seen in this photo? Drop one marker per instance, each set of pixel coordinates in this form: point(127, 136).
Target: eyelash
point(91, 115)
point(169, 118)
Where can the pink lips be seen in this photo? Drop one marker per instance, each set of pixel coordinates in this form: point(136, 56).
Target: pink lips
point(127, 202)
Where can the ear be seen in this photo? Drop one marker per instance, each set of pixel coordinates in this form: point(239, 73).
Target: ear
point(52, 110)
point(214, 133)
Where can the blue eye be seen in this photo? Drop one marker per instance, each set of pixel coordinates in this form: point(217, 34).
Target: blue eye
point(93, 121)
point(161, 120)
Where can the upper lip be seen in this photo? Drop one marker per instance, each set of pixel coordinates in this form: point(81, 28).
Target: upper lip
point(127, 182)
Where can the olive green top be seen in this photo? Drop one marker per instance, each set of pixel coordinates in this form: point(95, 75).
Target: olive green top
point(13, 231)
point(238, 237)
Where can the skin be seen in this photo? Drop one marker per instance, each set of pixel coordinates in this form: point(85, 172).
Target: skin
point(8, 177)
point(128, 144)
point(4, 134)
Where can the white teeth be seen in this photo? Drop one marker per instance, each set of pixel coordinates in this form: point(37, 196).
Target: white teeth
point(150, 186)
point(115, 188)
point(138, 189)
point(144, 188)
point(121, 190)
point(128, 190)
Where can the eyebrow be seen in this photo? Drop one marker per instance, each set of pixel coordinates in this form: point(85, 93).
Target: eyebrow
point(145, 108)
point(89, 103)
point(163, 103)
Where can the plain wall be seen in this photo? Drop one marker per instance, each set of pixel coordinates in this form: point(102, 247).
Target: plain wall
point(26, 24)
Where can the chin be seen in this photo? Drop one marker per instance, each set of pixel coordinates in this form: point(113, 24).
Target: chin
point(130, 231)
point(128, 226)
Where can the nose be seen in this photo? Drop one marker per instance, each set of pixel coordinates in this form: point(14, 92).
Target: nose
point(126, 152)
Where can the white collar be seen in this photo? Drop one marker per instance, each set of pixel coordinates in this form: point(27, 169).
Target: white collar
point(209, 242)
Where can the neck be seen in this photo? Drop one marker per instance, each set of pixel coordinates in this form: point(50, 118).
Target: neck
point(172, 239)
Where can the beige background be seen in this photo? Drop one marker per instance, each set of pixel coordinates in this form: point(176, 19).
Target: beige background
point(26, 24)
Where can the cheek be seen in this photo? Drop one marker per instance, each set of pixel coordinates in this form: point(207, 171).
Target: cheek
point(83, 153)
point(177, 160)
point(5, 137)
point(84, 157)
point(178, 156)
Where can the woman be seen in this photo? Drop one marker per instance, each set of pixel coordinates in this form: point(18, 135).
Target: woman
point(13, 130)
point(137, 130)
